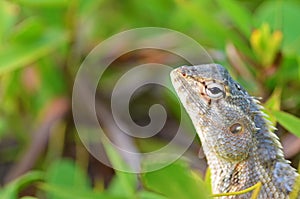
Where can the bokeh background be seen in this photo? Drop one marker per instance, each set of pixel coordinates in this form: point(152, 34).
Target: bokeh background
point(42, 45)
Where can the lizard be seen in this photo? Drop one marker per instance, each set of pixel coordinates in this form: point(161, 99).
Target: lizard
point(236, 137)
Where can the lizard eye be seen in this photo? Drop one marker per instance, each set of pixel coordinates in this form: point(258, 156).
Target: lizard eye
point(236, 128)
point(215, 90)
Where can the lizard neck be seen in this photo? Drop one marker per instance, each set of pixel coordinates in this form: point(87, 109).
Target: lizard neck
point(277, 177)
point(264, 163)
point(231, 176)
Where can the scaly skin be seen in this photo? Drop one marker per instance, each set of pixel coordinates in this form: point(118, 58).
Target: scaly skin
point(236, 138)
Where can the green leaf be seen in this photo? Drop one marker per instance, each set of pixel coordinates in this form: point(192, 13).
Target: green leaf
point(281, 15)
point(88, 7)
point(71, 193)
point(240, 16)
point(150, 195)
point(207, 180)
point(175, 181)
point(219, 35)
point(294, 194)
point(274, 100)
point(44, 3)
point(28, 31)
point(288, 121)
point(11, 190)
point(298, 60)
point(66, 175)
point(19, 55)
point(125, 183)
point(205, 21)
point(8, 17)
point(273, 103)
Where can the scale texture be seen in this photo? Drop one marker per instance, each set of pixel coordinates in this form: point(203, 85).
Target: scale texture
point(237, 140)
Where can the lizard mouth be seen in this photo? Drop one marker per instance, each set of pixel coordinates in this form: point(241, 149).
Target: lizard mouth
point(190, 92)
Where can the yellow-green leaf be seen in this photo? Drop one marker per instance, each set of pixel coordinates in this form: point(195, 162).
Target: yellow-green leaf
point(175, 181)
point(288, 121)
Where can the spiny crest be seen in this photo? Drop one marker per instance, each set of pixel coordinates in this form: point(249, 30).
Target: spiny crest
point(267, 130)
point(261, 113)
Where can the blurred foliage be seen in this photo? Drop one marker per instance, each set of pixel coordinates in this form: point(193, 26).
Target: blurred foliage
point(42, 44)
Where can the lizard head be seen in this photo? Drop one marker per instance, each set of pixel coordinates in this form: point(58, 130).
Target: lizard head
point(232, 130)
point(219, 108)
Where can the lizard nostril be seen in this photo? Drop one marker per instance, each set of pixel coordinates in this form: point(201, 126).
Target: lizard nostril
point(236, 128)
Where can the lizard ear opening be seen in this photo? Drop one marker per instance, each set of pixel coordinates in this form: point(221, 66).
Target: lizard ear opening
point(214, 90)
